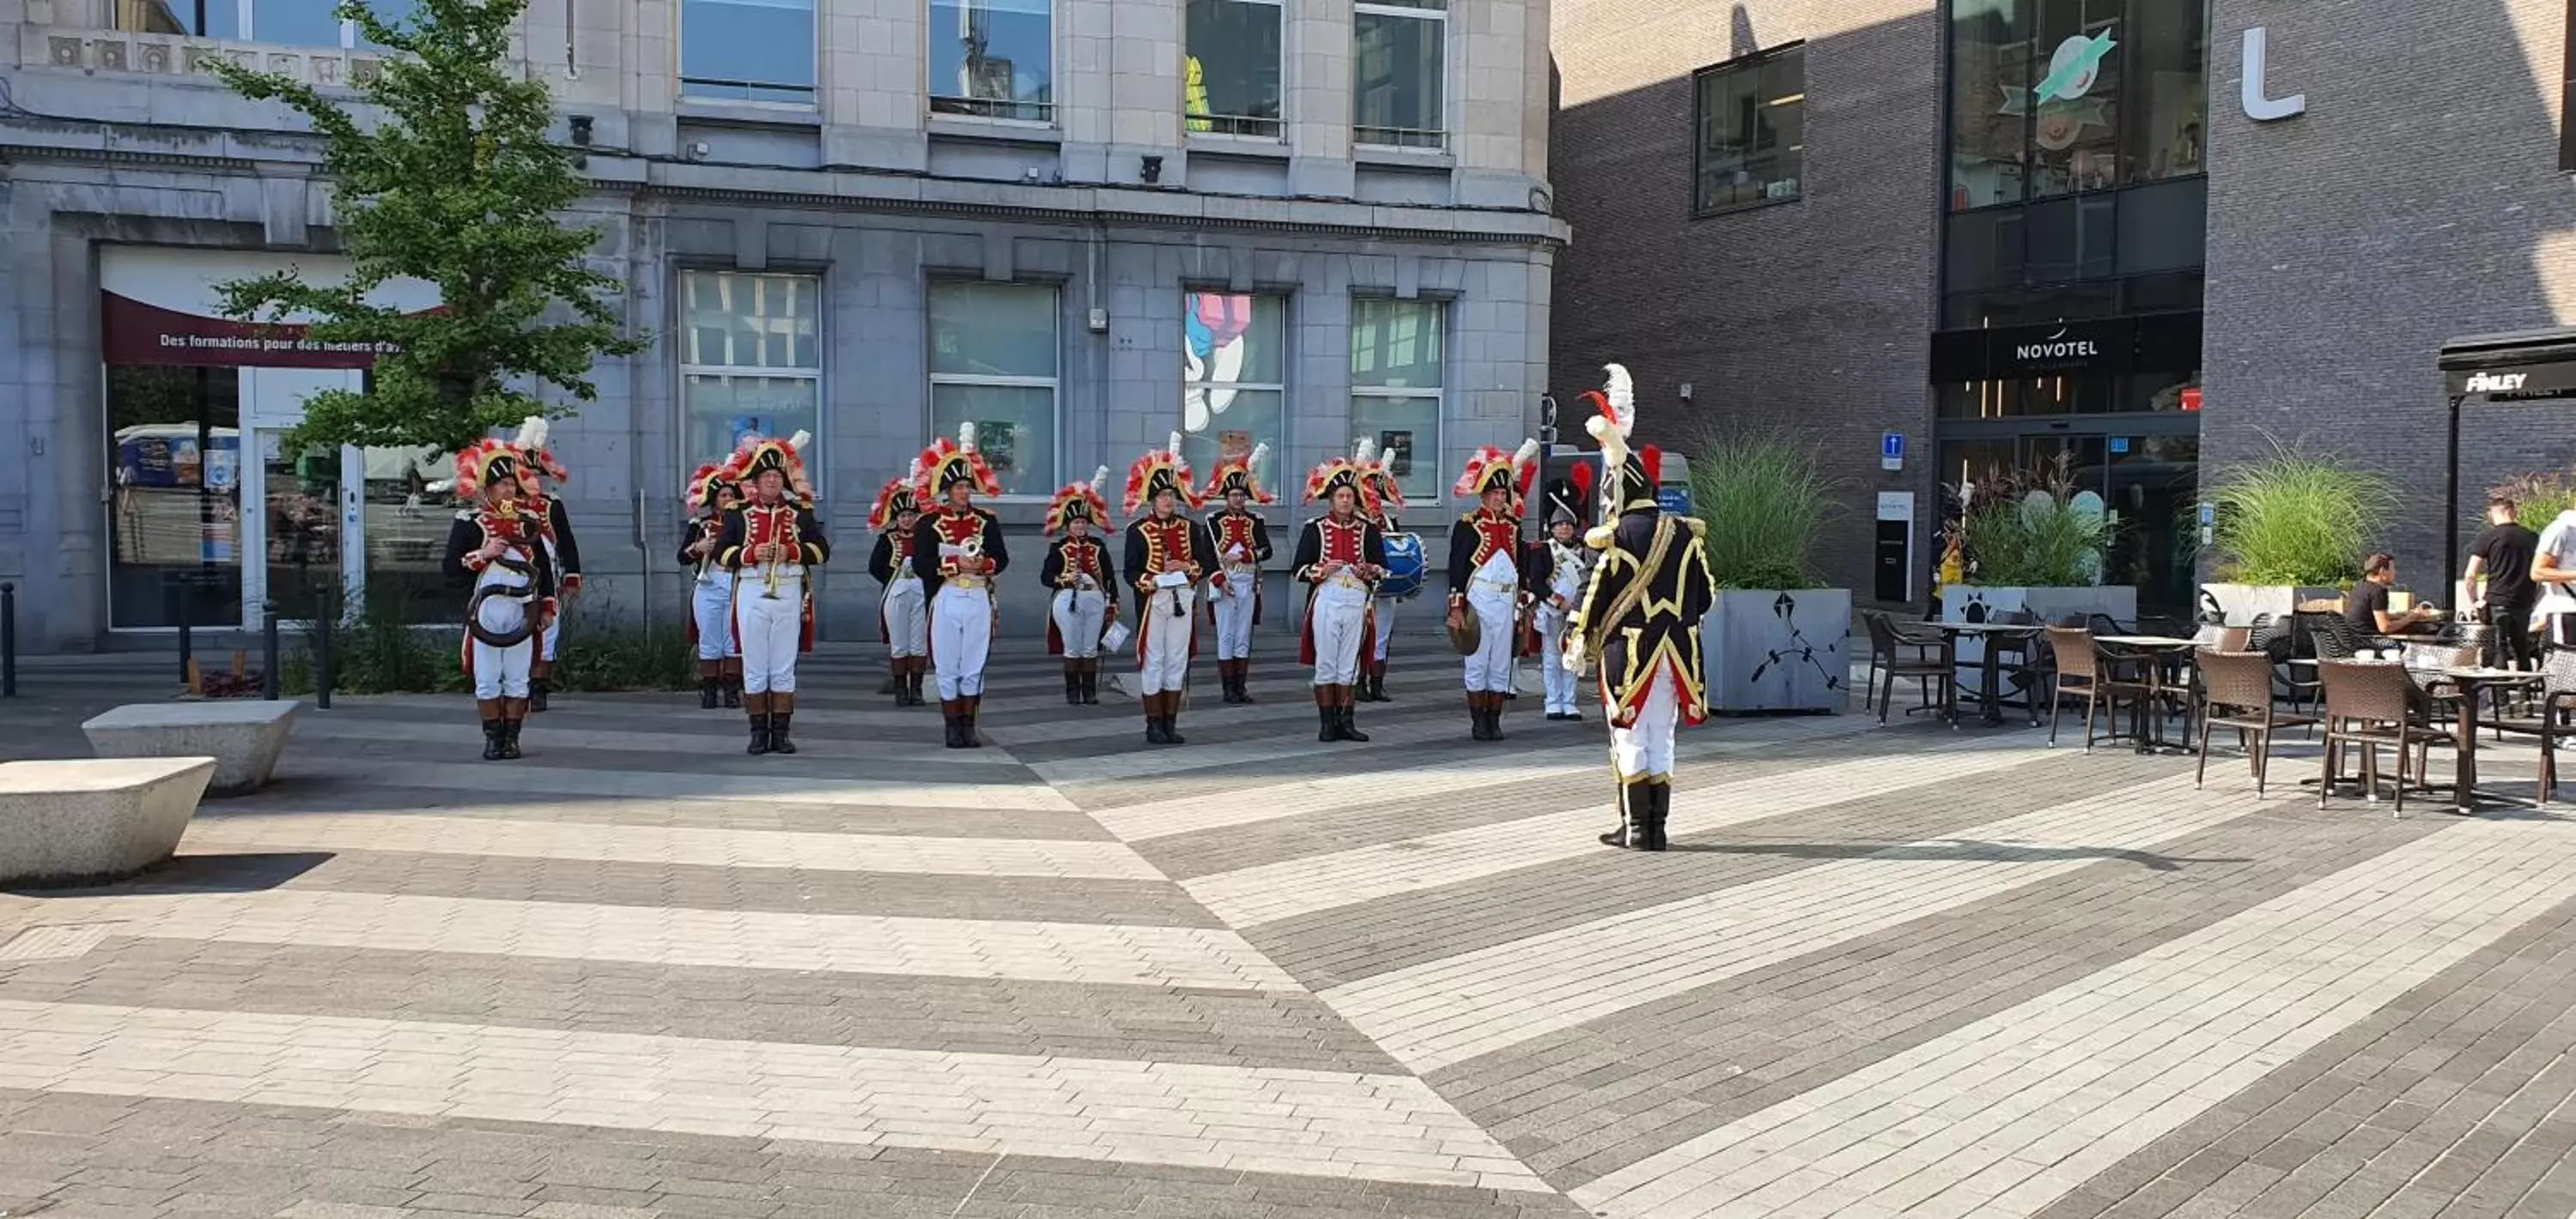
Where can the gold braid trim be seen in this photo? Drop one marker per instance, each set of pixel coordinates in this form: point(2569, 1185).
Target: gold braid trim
point(1595, 632)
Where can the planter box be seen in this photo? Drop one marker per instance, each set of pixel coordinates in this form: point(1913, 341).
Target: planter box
point(2239, 603)
point(1970, 603)
point(1778, 650)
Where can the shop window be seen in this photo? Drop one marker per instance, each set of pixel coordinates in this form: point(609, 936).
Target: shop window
point(993, 359)
point(1396, 388)
point(993, 58)
point(748, 50)
point(1751, 118)
point(174, 496)
point(303, 23)
point(1231, 80)
point(750, 360)
point(1234, 373)
point(1399, 62)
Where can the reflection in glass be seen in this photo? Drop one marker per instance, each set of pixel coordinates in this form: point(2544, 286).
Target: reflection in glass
point(1396, 73)
point(2074, 96)
point(1752, 125)
point(301, 23)
point(1395, 344)
point(1989, 116)
point(748, 50)
point(174, 506)
point(301, 494)
point(195, 18)
point(1407, 432)
point(734, 320)
point(993, 360)
point(1231, 81)
point(1233, 373)
point(2169, 106)
point(719, 410)
point(1014, 428)
point(407, 503)
point(994, 58)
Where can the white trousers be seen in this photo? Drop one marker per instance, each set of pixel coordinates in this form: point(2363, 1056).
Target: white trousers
point(1340, 615)
point(712, 605)
point(907, 618)
point(1385, 625)
point(1489, 667)
point(1165, 647)
point(1233, 606)
point(769, 628)
point(1080, 615)
point(961, 633)
point(1551, 661)
point(549, 637)
point(501, 672)
point(1646, 746)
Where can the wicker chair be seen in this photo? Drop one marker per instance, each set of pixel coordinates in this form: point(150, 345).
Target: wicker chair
point(2237, 693)
point(2554, 720)
point(2093, 675)
point(2370, 704)
point(1933, 659)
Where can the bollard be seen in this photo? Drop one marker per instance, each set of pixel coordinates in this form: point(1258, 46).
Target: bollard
point(268, 675)
point(187, 626)
point(8, 641)
point(325, 618)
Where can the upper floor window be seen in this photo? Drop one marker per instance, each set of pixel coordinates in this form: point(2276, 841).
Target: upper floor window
point(748, 50)
point(1232, 75)
point(994, 58)
point(1398, 60)
point(1752, 130)
point(2057, 97)
point(302, 23)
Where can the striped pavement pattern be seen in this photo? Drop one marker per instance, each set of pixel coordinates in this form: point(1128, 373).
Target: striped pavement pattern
point(1884, 971)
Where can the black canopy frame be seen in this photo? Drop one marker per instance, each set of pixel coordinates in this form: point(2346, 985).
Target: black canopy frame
point(2528, 366)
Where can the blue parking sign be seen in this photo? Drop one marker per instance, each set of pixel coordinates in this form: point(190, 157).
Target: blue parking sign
point(1891, 450)
point(1674, 499)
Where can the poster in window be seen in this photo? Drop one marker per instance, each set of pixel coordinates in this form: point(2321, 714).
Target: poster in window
point(1233, 443)
point(740, 426)
point(999, 441)
point(1396, 449)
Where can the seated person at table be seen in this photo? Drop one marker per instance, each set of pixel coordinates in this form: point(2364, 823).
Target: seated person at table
point(2366, 606)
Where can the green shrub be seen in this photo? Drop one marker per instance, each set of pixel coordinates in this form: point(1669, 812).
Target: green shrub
point(2296, 518)
point(2016, 539)
point(382, 653)
point(1763, 503)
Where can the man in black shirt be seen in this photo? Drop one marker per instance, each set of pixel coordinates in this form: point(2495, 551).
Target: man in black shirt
point(2366, 606)
point(2502, 555)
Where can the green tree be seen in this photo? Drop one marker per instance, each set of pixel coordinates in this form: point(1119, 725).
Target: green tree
point(445, 176)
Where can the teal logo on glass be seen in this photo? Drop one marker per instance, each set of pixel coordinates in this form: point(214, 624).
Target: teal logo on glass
point(2073, 68)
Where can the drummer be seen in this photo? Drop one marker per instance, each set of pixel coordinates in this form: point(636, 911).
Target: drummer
point(1379, 499)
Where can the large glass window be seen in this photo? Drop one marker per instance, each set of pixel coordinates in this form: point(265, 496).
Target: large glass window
point(1234, 373)
point(1752, 130)
point(304, 23)
point(2056, 97)
point(748, 50)
point(2169, 92)
point(993, 359)
point(2074, 100)
point(174, 496)
point(1398, 57)
point(994, 58)
point(750, 359)
point(1395, 388)
point(1232, 77)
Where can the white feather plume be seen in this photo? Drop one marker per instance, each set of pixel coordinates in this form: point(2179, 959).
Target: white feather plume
point(1364, 450)
point(1622, 393)
point(532, 432)
point(1527, 453)
point(798, 441)
point(1252, 464)
point(1175, 450)
point(966, 435)
point(1100, 478)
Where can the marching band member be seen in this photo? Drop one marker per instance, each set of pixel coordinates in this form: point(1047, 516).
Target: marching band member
point(1559, 567)
point(903, 618)
point(1380, 498)
point(1167, 555)
point(710, 499)
point(537, 465)
point(1641, 616)
point(1242, 545)
point(957, 550)
point(771, 543)
point(1340, 556)
point(1082, 585)
point(1487, 577)
point(494, 546)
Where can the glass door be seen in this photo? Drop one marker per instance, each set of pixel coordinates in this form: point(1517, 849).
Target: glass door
point(294, 529)
point(405, 499)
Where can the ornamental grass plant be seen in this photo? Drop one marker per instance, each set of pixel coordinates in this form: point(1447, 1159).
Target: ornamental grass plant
point(2018, 539)
point(1764, 503)
point(2296, 518)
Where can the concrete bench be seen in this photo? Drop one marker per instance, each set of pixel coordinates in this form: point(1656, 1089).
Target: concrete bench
point(243, 736)
point(94, 819)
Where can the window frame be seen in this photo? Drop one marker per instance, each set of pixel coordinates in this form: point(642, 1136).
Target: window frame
point(1054, 385)
point(817, 471)
point(244, 19)
point(1753, 62)
point(1436, 12)
point(1279, 444)
point(1242, 125)
point(1439, 395)
point(988, 110)
point(681, 80)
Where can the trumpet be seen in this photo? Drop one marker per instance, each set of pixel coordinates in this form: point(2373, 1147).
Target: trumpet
point(785, 540)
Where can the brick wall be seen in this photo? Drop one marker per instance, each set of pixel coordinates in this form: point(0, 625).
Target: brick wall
point(1813, 314)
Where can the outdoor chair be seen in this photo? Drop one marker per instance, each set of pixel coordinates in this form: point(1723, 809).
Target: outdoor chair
point(2237, 693)
point(2083, 670)
point(2337, 638)
point(2369, 704)
point(1932, 658)
point(2552, 720)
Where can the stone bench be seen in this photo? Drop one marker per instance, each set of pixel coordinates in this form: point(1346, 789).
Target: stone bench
point(86, 819)
point(243, 736)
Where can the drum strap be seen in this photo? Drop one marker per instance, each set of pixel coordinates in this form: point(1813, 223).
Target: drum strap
point(1595, 632)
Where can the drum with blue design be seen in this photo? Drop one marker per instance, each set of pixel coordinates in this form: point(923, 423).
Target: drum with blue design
point(1405, 567)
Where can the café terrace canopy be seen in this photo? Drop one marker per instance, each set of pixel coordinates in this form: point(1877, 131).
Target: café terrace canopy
point(2537, 366)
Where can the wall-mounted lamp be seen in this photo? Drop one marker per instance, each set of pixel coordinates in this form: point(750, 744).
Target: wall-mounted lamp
point(1152, 171)
point(581, 130)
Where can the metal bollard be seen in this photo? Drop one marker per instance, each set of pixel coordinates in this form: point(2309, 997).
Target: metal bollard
point(268, 674)
point(324, 620)
point(187, 626)
point(8, 641)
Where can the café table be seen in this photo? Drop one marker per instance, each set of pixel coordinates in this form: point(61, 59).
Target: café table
point(1990, 702)
point(2154, 649)
point(2472, 681)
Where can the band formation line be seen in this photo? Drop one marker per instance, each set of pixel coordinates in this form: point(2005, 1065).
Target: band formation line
point(1628, 593)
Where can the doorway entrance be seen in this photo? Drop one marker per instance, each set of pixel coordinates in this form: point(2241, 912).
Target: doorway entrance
point(2145, 469)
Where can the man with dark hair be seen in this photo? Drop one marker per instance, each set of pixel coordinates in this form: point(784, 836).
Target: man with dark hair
point(2501, 557)
point(2366, 606)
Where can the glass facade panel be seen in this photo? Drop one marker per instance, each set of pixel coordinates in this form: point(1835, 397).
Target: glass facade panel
point(2058, 97)
point(1014, 428)
point(993, 359)
point(749, 360)
point(407, 504)
point(1752, 130)
point(2168, 117)
point(302, 23)
point(1398, 63)
point(174, 504)
point(301, 493)
point(1407, 431)
point(1395, 388)
point(1232, 77)
point(748, 50)
point(718, 410)
point(1989, 127)
point(1234, 359)
point(994, 58)
point(2075, 94)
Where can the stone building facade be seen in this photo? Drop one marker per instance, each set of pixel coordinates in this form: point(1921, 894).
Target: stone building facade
point(1292, 224)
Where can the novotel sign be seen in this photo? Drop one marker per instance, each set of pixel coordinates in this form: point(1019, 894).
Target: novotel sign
point(2057, 349)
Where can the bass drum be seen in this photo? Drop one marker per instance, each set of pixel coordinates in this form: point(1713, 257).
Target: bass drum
point(1404, 567)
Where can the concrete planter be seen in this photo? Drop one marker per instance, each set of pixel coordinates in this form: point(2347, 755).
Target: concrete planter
point(244, 736)
point(1778, 650)
point(83, 820)
point(2054, 605)
point(2241, 602)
